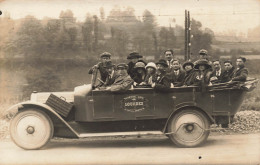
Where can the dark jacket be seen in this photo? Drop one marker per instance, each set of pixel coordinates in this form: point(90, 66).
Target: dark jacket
point(227, 75)
point(240, 74)
point(162, 82)
point(110, 80)
point(189, 78)
point(176, 79)
point(130, 69)
point(214, 74)
point(102, 70)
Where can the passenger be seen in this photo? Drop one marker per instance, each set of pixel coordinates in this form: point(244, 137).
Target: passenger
point(228, 73)
point(150, 72)
point(161, 81)
point(216, 75)
point(176, 75)
point(134, 57)
point(203, 73)
point(111, 74)
point(139, 73)
point(109, 67)
point(122, 81)
point(203, 55)
point(241, 73)
point(169, 57)
point(105, 57)
point(190, 74)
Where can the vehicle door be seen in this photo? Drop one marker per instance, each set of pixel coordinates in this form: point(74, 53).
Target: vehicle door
point(103, 102)
point(136, 104)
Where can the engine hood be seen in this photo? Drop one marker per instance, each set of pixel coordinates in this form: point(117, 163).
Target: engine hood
point(69, 96)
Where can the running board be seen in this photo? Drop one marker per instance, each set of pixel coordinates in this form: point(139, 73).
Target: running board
point(139, 133)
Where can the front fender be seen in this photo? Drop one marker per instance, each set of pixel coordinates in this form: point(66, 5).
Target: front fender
point(44, 107)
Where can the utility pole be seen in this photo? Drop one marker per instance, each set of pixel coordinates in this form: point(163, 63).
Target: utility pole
point(187, 35)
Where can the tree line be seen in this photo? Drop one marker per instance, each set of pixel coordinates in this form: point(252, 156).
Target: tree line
point(119, 33)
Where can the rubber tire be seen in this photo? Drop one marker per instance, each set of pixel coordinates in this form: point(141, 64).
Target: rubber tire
point(46, 121)
point(181, 143)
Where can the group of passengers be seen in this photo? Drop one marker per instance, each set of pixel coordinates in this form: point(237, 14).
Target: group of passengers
point(166, 73)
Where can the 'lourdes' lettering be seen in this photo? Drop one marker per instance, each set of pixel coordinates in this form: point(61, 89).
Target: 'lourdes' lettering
point(134, 104)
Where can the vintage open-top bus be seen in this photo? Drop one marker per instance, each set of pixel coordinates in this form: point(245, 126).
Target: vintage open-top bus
point(184, 114)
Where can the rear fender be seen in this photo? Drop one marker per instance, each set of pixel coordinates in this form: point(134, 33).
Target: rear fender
point(190, 106)
point(45, 108)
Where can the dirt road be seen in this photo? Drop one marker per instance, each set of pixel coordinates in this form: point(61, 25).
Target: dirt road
point(221, 149)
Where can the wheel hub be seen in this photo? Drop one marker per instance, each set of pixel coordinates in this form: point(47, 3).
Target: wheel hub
point(30, 129)
point(189, 127)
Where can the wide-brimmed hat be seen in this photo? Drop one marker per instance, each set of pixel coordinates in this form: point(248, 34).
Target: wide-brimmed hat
point(122, 65)
point(109, 64)
point(151, 65)
point(162, 62)
point(134, 55)
point(105, 54)
point(202, 62)
point(187, 63)
point(203, 52)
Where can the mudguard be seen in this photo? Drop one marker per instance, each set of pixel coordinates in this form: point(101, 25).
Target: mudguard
point(41, 106)
point(184, 106)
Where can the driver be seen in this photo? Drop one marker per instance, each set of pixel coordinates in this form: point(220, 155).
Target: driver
point(123, 81)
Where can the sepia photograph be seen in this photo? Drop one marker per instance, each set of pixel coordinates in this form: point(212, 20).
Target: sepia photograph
point(129, 82)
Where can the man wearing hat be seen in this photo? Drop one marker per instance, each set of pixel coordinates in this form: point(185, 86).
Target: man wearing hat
point(105, 57)
point(122, 81)
point(161, 81)
point(190, 74)
point(241, 73)
point(203, 55)
point(111, 74)
point(134, 57)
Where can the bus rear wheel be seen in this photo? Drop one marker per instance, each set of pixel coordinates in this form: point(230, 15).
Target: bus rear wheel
point(188, 128)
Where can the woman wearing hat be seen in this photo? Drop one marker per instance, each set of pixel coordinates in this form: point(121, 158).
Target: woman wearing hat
point(203, 72)
point(190, 74)
point(139, 72)
point(161, 81)
point(150, 72)
point(134, 57)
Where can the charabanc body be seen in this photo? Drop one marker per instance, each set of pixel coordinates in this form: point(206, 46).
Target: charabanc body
point(184, 114)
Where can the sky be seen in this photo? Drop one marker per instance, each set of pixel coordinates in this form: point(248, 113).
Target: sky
point(218, 15)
